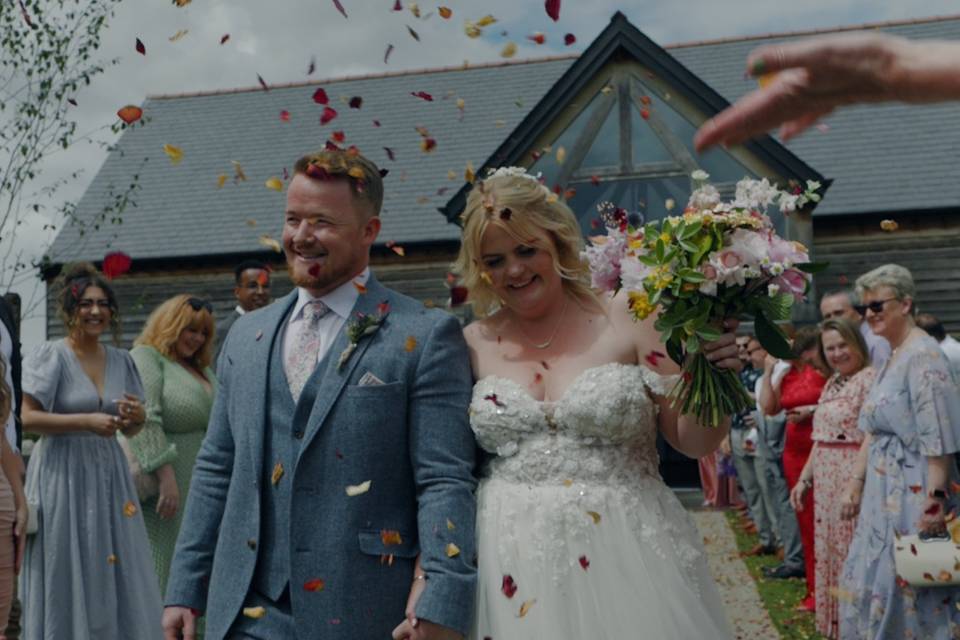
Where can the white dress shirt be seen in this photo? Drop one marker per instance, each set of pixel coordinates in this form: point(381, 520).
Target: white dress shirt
point(340, 302)
point(6, 352)
point(240, 310)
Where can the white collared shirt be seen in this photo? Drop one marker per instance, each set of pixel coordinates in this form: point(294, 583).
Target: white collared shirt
point(340, 301)
point(239, 310)
point(6, 352)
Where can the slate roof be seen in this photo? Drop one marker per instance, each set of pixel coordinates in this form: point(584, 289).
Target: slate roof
point(892, 158)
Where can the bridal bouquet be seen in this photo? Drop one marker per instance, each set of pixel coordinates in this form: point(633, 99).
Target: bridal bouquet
point(717, 260)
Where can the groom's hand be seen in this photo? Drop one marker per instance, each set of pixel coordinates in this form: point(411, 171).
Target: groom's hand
point(179, 622)
point(425, 630)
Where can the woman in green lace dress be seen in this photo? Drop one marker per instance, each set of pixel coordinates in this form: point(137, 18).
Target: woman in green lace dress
point(173, 354)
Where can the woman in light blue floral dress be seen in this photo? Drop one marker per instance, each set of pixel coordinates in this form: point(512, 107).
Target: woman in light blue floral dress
point(912, 422)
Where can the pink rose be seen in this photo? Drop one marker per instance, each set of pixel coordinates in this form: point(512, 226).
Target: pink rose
point(730, 259)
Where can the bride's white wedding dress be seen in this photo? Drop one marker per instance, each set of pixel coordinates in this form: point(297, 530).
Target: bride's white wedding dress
point(577, 535)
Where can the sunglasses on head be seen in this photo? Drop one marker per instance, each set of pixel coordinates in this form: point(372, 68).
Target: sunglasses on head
point(198, 303)
point(876, 306)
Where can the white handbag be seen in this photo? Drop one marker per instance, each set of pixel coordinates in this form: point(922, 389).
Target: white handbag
point(933, 562)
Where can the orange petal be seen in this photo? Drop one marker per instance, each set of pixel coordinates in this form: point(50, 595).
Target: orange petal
point(525, 607)
point(174, 153)
point(410, 344)
point(130, 509)
point(390, 537)
point(444, 12)
point(221, 179)
point(361, 288)
point(130, 113)
point(277, 473)
point(317, 584)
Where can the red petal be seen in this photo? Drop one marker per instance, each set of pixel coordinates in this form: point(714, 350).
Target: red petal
point(428, 144)
point(116, 264)
point(397, 6)
point(329, 113)
point(263, 83)
point(645, 100)
point(458, 295)
point(383, 308)
point(539, 38)
point(584, 562)
point(356, 102)
point(916, 488)
point(320, 96)
point(376, 123)
point(654, 357)
point(130, 113)
point(339, 7)
point(390, 153)
point(569, 39)
point(932, 510)
point(386, 55)
point(314, 585)
point(645, 114)
point(595, 180)
point(224, 39)
point(553, 9)
point(285, 115)
point(422, 94)
point(142, 50)
point(339, 137)
point(509, 587)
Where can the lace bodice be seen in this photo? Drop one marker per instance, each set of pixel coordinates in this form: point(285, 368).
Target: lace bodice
point(604, 422)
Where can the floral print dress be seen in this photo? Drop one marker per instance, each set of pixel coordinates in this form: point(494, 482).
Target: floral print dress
point(911, 412)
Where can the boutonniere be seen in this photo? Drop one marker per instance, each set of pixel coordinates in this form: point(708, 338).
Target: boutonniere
point(361, 326)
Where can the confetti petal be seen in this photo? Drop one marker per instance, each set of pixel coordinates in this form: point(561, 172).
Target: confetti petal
point(142, 50)
point(410, 344)
point(116, 264)
point(339, 7)
point(178, 35)
point(508, 586)
point(254, 612)
point(339, 137)
point(329, 113)
point(270, 243)
point(452, 550)
point(428, 144)
point(595, 516)
point(413, 34)
point(356, 102)
point(174, 153)
point(553, 9)
point(458, 295)
point(569, 39)
point(525, 607)
point(450, 525)
point(561, 155)
point(509, 50)
point(423, 95)
point(274, 183)
point(285, 116)
point(130, 509)
point(130, 113)
point(320, 96)
point(414, 9)
point(445, 12)
point(224, 38)
point(584, 562)
point(889, 225)
point(390, 537)
point(537, 37)
point(277, 473)
point(486, 21)
point(111, 559)
point(354, 490)
point(315, 585)
point(221, 179)
point(263, 83)
point(390, 153)
point(386, 55)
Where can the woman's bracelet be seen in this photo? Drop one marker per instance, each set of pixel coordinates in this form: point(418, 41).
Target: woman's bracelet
point(422, 576)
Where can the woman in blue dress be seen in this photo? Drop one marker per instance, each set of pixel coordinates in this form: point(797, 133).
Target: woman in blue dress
point(912, 422)
point(88, 572)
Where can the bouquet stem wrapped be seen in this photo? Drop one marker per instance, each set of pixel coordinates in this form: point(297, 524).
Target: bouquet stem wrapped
point(717, 260)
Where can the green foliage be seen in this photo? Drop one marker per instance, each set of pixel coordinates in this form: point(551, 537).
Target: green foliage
point(48, 54)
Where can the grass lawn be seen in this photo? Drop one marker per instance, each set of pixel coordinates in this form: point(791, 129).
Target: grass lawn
point(778, 596)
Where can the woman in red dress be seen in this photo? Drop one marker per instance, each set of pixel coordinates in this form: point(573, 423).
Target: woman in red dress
point(798, 394)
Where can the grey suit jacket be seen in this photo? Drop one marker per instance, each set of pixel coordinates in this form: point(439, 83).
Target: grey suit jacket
point(410, 437)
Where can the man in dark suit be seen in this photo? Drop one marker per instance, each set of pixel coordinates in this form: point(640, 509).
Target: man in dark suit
point(252, 291)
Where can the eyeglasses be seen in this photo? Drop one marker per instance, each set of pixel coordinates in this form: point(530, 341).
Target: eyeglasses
point(876, 306)
point(198, 303)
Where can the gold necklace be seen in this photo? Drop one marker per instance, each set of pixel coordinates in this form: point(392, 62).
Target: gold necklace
point(544, 345)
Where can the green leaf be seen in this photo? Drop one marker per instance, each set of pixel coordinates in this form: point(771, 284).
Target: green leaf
point(771, 338)
point(775, 307)
point(708, 333)
point(692, 230)
point(693, 343)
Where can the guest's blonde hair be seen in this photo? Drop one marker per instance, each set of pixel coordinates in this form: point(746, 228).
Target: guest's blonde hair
point(889, 275)
point(167, 322)
point(532, 215)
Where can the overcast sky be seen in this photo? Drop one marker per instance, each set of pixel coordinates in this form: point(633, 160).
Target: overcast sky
point(277, 40)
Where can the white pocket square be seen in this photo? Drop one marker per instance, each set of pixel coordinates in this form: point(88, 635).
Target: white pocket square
point(369, 380)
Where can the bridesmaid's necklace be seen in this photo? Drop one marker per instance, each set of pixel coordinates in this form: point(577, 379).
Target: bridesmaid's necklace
point(549, 341)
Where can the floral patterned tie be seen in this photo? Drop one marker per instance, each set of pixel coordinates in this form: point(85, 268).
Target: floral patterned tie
point(302, 359)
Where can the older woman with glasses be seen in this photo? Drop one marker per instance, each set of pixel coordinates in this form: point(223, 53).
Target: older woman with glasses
point(836, 442)
point(912, 419)
point(173, 355)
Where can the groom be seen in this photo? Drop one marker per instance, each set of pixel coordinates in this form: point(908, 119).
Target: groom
point(338, 449)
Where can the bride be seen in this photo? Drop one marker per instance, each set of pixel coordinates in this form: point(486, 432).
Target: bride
point(577, 535)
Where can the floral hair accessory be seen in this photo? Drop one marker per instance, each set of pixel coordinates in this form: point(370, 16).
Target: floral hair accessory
point(517, 172)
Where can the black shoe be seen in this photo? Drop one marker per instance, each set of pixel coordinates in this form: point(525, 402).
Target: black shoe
point(783, 571)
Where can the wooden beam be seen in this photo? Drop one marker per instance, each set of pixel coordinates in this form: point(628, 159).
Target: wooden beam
point(575, 156)
point(674, 147)
point(626, 125)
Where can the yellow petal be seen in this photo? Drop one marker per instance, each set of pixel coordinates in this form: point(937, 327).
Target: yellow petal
point(277, 473)
point(450, 525)
point(221, 179)
point(525, 607)
point(889, 225)
point(471, 29)
point(179, 34)
point(356, 172)
point(561, 155)
point(238, 170)
point(251, 222)
point(486, 21)
point(358, 489)
point(130, 509)
point(111, 559)
point(414, 9)
point(274, 183)
point(469, 174)
point(410, 344)
point(461, 104)
point(254, 612)
point(174, 153)
point(452, 550)
point(451, 175)
point(270, 243)
point(595, 516)
point(509, 50)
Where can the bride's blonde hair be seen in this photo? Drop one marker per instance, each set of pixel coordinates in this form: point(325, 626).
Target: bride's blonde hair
point(532, 215)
